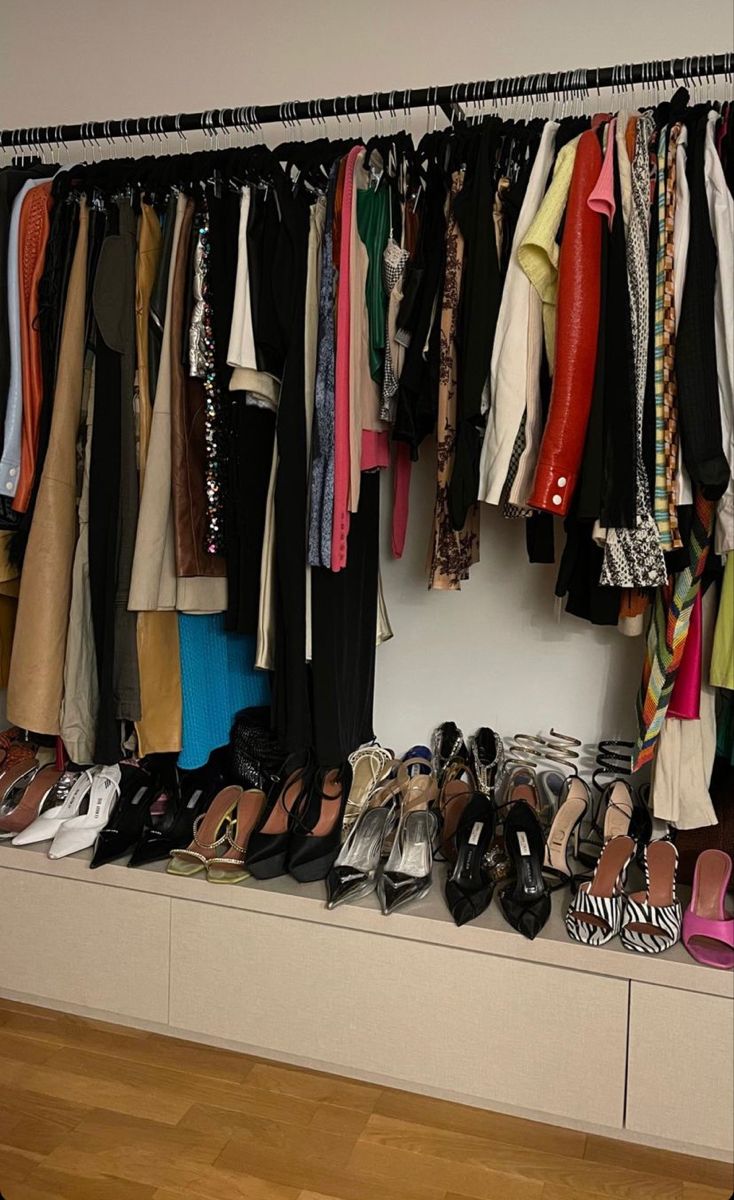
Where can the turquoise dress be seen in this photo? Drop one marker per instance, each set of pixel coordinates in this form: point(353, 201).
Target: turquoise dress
point(217, 680)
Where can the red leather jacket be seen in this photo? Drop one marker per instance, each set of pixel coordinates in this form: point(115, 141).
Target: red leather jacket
point(577, 325)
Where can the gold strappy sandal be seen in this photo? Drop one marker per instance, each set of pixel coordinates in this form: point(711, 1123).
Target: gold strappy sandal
point(210, 832)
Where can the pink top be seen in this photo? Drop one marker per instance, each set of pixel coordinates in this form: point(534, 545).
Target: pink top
point(601, 198)
point(401, 493)
point(340, 526)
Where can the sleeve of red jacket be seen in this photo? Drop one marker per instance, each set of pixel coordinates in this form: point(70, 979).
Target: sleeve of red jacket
point(577, 328)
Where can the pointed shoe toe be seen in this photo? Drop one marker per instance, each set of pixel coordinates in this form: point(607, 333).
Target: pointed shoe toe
point(397, 889)
point(108, 849)
point(527, 919)
point(467, 906)
point(344, 884)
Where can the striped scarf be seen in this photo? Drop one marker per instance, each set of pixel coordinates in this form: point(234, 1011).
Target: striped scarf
point(667, 634)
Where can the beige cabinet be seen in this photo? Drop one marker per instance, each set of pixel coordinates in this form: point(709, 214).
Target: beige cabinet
point(681, 1066)
point(598, 1038)
point(489, 1029)
point(84, 945)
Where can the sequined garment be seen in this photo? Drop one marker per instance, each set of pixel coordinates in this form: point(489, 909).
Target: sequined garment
point(322, 465)
point(452, 551)
point(212, 431)
point(197, 354)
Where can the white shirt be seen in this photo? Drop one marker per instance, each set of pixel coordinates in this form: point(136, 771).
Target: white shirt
point(509, 369)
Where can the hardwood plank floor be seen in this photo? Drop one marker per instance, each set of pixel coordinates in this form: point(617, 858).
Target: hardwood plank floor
point(90, 1111)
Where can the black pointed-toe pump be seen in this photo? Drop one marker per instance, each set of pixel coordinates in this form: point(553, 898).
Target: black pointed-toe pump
point(316, 837)
point(138, 790)
point(269, 844)
point(469, 884)
point(189, 795)
point(525, 903)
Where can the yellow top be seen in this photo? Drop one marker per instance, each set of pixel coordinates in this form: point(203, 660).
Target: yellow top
point(721, 673)
point(537, 254)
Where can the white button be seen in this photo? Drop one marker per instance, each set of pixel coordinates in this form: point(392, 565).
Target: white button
point(562, 481)
point(8, 487)
point(556, 499)
point(13, 471)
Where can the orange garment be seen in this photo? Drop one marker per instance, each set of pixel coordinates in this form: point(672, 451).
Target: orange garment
point(33, 233)
point(630, 137)
point(633, 602)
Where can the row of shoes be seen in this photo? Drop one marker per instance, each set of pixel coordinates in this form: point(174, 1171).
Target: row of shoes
point(651, 920)
point(379, 824)
point(459, 802)
point(129, 809)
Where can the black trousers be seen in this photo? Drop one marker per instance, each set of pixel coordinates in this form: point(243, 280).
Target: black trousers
point(344, 628)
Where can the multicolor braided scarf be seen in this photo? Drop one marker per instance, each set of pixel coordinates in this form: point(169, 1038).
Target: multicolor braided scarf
point(667, 634)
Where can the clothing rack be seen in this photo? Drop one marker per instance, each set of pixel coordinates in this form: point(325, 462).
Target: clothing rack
point(448, 98)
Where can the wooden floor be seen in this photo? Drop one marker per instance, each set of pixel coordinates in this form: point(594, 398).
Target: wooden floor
point(97, 1112)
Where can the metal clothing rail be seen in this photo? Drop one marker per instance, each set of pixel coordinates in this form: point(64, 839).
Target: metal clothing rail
point(446, 98)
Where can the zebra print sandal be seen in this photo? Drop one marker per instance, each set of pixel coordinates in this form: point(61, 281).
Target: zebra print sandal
point(652, 919)
point(595, 914)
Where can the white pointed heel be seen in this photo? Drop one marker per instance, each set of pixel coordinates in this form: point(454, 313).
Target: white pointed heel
point(47, 824)
point(78, 833)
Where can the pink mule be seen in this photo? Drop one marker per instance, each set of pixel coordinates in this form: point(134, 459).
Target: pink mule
point(708, 931)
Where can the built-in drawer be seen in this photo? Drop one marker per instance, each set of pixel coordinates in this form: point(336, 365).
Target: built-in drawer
point(86, 945)
point(488, 1028)
point(681, 1066)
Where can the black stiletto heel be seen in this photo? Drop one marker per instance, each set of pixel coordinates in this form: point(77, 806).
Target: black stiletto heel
point(269, 844)
point(138, 790)
point(469, 885)
point(188, 798)
point(526, 902)
point(315, 845)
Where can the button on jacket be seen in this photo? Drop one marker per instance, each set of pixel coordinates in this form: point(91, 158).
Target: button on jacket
point(578, 307)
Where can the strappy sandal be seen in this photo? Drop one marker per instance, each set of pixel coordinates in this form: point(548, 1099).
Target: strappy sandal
point(458, 787)
point(574, 802)
point(447, 745)
point(487, 757)
point(230, 866)
point(595, 914)
point(369, 764)
point(611, 817)
point(210, 832)
point(651, 921)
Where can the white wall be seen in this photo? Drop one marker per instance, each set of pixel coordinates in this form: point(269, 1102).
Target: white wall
point(494, 653)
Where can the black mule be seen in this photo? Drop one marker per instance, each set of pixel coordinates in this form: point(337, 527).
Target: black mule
point(189, 796)
point(138, 790)
point(469, 885)
point(525, 903)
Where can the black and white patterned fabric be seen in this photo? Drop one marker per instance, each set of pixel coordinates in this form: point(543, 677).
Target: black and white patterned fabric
point(633, 558)
point(608, 911)
point(665, 919)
